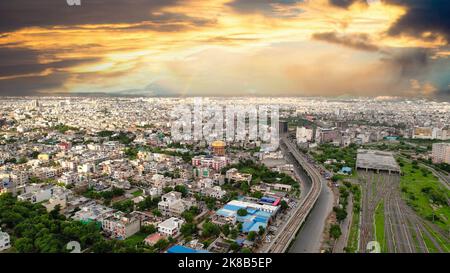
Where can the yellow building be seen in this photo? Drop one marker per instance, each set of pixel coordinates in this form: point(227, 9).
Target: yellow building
point(44, 157)
point(218, 147)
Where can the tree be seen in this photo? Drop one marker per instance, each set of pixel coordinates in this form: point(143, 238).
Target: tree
point(161, 244)
point(182, 189)
point(246, 250)
point(284, 205)
point(226, 230)
point(261, 231)
point(251, 236)
point(335, 231)
point(24, 245)
point(341, 214)
point(150, 229)
point(157, 213)
point(242, 212)
point(210, 229)
point(188, 229)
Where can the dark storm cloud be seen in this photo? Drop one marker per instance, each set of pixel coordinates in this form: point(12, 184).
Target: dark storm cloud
point(30, 86)
point(20, 68)
point(345, 3)
point(358, 41)
point(22, 61)
point(261, 6)
point(422, 16)
point(443, 94)
point(46, 13)
point(411, 62)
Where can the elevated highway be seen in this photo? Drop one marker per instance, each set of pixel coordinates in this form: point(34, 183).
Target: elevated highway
point(287, 232)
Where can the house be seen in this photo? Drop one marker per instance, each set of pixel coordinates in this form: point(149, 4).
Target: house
point(234, 175)
point(121, 226)
point(92, 212)
point(36, 193)
point(5, 242)
point(215, 192)
point(172, 204)
point(170, 227)
point(152, 239)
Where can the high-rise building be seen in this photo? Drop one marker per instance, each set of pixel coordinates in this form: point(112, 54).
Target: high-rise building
point(441, 153)
point(304, 134)
point(284, 127)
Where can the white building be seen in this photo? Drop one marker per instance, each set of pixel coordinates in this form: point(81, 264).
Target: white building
point(170, 227)
point(441, 153)
point(5, 242)
point(215, 192)
point(172, 204)
point(304, 135)
point(36, 193)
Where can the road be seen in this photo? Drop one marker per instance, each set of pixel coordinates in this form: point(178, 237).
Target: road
point(288, 231)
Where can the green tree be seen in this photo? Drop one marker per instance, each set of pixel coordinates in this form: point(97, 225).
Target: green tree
point(335, 231)
point(242, 212)
point(251, 236)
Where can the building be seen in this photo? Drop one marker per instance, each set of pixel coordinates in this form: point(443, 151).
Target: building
point(324, 135)
point(258, 215)
point(423, 133)
point(376, 161)
point(152, 239)
point(172, 204)
point(214, 192)
point(214, 162)
point(92, 212)
point(304, 135)
point(283, 127)
point(5, 242)
point(121, 226)
point(218, 147)
point(234, 175)
point(177, 249)
point(441, 153)
point(170, 227)
point(36, 193)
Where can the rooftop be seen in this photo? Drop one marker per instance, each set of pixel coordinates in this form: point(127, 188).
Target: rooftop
point(378, 160)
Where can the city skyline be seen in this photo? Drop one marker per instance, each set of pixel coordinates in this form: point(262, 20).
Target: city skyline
point(226, 48)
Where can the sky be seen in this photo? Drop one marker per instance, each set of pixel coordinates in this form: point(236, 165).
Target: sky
point(226, 48)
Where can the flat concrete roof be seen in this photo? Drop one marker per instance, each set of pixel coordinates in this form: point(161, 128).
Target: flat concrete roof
point(376, 160)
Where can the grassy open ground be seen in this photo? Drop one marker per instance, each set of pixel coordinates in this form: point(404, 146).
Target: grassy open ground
point(137, 193)
point(379, 226)
point(353, 237)
point(420, 189)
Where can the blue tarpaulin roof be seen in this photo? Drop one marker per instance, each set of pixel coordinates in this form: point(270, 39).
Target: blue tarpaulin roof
point(184, 250)
point(232, 207)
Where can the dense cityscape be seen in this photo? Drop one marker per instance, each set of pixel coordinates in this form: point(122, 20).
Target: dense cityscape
point(351, 175)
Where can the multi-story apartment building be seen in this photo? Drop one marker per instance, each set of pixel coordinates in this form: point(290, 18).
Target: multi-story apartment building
point(36, 193)
point(441, 153)
point(121, 226)
point(172, 204)
point(170, 227)
point(216, 162)
point(5, 242)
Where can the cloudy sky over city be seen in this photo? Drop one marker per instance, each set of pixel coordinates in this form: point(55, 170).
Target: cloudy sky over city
point(226, 47)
